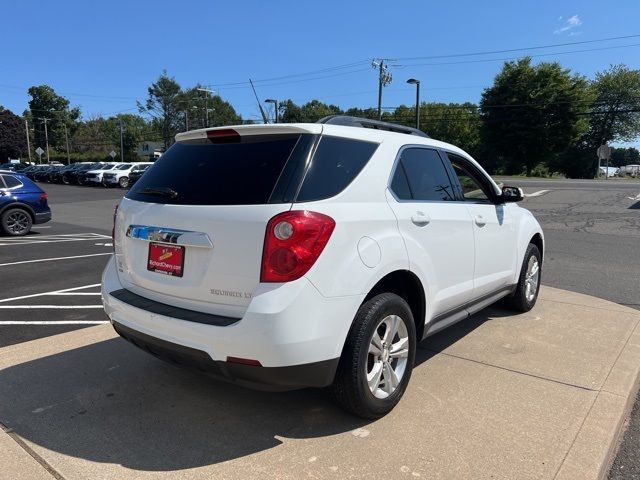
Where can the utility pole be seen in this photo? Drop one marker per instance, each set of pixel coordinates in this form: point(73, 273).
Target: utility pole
point(186, 120)
point(206, 103)
point(384, 79)
point(26, 127)
point(46, 135)
point(66, 136)
point(121, 144)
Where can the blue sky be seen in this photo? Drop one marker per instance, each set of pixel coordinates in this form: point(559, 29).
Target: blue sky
point(103, 55)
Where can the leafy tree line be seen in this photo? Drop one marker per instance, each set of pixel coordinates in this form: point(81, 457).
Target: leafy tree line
point(535, 118)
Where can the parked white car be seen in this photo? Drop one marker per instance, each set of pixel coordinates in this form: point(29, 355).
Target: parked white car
point(120, 174)
point(95, 176)
point(289, 256)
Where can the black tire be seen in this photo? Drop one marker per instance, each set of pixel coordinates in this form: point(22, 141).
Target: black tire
point(350, 387)
point(65, 180)
point(16, 222)
point(123, 182)
point(519, 301)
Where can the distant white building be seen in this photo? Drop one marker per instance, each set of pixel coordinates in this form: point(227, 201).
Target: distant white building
point(150, 149)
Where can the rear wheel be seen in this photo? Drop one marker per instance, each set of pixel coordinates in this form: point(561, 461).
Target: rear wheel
point(65, 180)
point(378, 357)
point(16, 222)
point(123, 182)
point(526, 294)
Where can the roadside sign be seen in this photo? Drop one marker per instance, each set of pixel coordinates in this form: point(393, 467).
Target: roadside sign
point(113, 154)
point(39, 151)
point(604, 152)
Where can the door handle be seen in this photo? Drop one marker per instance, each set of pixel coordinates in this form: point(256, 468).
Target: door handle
point(420, 218)
point(480, 221)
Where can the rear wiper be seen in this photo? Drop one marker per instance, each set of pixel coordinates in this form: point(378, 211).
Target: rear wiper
point(162, 191)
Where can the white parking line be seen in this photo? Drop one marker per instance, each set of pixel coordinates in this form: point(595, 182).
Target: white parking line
point(75, 293)
point(53, 259)
point(49, 293)
point(53, 322)
point(44, 307)
point(536, 194)
point(65, 237)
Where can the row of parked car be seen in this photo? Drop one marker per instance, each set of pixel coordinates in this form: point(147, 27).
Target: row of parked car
point(87, 173)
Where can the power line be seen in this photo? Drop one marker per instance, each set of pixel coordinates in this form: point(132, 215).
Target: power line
point(462, 62)
point(522, 49)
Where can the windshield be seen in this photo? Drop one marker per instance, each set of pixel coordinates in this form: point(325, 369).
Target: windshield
point(126, 166)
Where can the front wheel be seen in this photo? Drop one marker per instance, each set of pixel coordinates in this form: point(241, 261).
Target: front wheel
point(526, 294)
point(378, 357)
point(123, 182)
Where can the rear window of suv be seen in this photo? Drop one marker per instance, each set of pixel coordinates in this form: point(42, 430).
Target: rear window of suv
point(335, 164)
point(205, 173)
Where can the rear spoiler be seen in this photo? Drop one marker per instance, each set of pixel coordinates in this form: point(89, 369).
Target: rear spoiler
point(272, 129)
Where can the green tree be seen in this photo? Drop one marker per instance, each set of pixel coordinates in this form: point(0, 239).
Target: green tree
point(624, 156)
point(46, 103)
point(613, 117)
point(289, 112)
point(13, 140)
point(164, 106)
point(532, 113)
point(315, 110)
point(134, 129)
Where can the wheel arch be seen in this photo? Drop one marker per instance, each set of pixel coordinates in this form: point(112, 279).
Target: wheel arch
point(22, 206)
point(407, 285)
point(538, 241)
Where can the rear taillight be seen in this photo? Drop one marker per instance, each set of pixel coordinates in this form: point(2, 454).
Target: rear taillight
point(293, 242)
point(43, 197)
point(113, 230)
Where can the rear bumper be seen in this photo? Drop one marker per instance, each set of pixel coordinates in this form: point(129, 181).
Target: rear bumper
point(318, 374)
point(295, 333)
point(42, 217)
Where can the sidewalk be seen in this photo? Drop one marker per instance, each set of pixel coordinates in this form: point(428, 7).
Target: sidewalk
point(542, 395)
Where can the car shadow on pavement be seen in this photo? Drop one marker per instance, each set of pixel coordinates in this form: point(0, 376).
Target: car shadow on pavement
point(109, 402)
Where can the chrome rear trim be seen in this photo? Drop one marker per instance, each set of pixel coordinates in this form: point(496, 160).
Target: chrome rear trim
point(169, 235)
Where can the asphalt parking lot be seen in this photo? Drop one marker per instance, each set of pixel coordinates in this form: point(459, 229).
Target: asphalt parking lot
point(51, 278)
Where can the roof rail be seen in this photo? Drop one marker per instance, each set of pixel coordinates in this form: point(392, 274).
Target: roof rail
point(348, 121)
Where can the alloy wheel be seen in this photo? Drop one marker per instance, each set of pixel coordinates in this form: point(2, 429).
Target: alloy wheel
point(18, 222)
point(387, 356)
point(531, 278)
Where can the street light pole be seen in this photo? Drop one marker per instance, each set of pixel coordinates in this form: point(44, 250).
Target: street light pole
point(206, 103)
point(275, 104)
point(415, 82)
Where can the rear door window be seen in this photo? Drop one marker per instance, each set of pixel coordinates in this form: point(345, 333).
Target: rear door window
point(244, 172)
point(335, 164)
point(421, 175)
point(10, 181)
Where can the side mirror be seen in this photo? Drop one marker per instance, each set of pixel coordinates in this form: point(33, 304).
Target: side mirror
point(511, 194)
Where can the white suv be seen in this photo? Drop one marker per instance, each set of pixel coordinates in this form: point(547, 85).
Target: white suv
point(288, 256)
point(120, 174)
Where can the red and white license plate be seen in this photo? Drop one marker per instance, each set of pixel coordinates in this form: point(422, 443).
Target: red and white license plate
point(166, 259)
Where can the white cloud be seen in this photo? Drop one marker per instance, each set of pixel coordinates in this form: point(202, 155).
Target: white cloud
point(569, 25)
